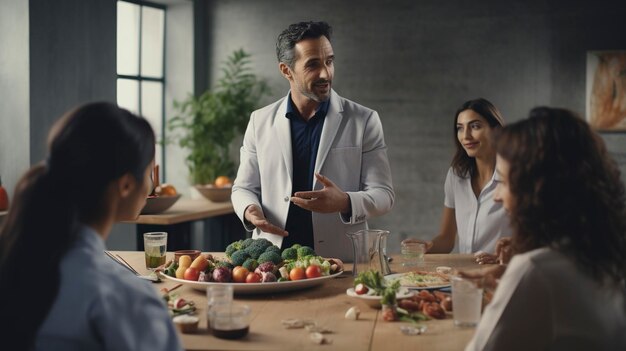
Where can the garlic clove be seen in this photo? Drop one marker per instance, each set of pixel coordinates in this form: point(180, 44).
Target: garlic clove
point(319, 339)
point(353, 313)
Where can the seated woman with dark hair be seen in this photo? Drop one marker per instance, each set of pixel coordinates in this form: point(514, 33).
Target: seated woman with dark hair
point(59, 290)
point(564, 287)
point(469, 213)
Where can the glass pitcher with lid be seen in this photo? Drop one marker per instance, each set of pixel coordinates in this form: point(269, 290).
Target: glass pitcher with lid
point(370, 251)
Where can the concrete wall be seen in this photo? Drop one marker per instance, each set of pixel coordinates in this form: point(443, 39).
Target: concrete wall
point(14, 86)
point(179, 76)
point(417, 61)
point(72, 61)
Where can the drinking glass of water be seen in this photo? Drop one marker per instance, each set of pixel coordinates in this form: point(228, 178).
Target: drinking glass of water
point(412, 253)
point(155, 247)
point(467, 300)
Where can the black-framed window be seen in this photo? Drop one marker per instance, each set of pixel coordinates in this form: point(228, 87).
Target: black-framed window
point(141, 64)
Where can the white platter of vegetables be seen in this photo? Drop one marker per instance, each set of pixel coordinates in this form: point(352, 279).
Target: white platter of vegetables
point(255, 266)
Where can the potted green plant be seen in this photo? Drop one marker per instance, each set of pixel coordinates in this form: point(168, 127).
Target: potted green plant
point(208, 123)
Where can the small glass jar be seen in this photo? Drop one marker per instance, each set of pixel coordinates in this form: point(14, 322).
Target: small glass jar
point(218, 295)
point(230, 321)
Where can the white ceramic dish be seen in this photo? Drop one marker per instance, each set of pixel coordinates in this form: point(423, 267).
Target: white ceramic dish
point(374, 300)
point(259, 288)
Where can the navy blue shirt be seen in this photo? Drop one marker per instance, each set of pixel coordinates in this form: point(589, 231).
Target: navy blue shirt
point(305, 140)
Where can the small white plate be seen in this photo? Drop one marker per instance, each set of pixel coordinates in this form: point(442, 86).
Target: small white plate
point(374, 300)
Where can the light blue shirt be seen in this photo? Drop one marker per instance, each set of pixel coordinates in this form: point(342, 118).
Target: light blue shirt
point(480, 221)
point(102, 306)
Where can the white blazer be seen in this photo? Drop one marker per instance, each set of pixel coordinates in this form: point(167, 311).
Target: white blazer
point(352, 153)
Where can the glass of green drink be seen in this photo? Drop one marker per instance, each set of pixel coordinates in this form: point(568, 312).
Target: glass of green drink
point(155, 247)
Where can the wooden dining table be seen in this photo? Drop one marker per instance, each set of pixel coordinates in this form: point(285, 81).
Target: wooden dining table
point(326, 305)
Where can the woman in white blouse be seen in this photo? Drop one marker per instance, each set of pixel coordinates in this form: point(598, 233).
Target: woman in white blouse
point(59, 290)
point(564, 288)
point(469, 209)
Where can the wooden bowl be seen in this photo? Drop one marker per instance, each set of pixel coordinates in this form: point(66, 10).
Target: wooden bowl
point(159, 204)
point(215, 194)
point(191, 253)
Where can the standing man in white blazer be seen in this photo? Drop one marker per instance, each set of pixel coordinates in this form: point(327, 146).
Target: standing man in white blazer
point(313, 165)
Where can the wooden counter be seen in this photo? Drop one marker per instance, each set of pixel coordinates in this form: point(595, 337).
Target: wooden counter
point(177, 220)
point(187, 210)
point(326, 304)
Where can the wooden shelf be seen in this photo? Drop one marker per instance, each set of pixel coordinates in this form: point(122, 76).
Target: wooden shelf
point(187, 210)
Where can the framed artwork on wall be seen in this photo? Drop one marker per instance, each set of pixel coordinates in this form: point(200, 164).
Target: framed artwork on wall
point(606, 90)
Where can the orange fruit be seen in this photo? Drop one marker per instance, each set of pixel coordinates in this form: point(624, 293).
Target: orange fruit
point(165, 190)
point(222, 181)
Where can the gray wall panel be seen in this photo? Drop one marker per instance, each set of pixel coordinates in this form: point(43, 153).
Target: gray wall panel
point(14, 99)
point(72, 61)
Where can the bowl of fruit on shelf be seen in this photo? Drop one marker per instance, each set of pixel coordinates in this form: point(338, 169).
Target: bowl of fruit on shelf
point(219, 191)
point(163, 197)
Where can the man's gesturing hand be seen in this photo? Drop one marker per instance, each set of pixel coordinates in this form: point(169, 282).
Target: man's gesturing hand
point(255, 216)
point(330, 199)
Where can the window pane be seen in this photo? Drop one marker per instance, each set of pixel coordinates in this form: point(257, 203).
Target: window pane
point(152, 24)
point(128, 94)
point(127, 38)
point(152, 110)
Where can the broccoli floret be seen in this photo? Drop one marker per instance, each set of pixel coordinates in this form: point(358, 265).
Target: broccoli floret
point(255, 251)
point(304, 251)
point(239, 257)
point(251, 264)
point(224, 264)
point(263, 242)
point(296, 246)
point(273, 248)
point(271, 256)
point(325, 267)
point(230, 249)
point(258, 247)
point(290, 254)
point(246, 243)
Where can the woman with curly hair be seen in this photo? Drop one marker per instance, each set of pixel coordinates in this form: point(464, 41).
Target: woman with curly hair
point(564, 288)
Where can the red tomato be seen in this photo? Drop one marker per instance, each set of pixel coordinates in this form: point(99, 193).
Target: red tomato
point(253, 278)
point(297, 274)
point(239, 274)
point(191, 274)
point(313, 271)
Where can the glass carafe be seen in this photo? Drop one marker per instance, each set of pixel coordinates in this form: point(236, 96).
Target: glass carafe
point(370, 251)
